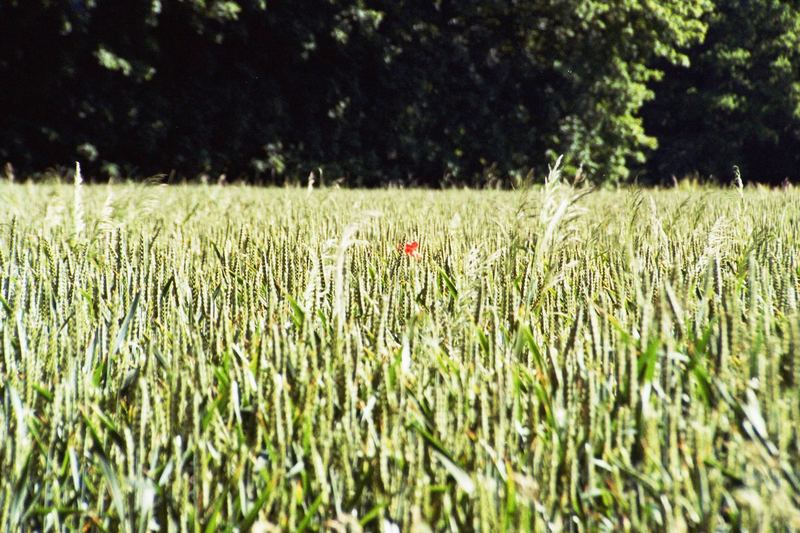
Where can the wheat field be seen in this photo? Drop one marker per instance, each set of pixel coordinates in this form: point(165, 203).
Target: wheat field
point(207, 358)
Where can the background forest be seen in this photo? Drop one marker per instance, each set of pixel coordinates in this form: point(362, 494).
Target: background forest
point(403, 91)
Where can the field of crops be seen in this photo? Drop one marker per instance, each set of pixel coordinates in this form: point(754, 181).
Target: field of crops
point(206, 358)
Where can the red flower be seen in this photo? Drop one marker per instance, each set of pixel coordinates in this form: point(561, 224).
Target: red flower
point(410, 249)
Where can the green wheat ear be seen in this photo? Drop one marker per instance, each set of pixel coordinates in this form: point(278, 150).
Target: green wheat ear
point(77, 206)
point(231, 358)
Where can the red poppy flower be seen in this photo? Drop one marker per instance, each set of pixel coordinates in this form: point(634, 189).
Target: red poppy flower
point(410, 249)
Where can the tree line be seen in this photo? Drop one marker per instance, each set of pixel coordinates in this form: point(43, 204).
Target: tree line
point(403, 91)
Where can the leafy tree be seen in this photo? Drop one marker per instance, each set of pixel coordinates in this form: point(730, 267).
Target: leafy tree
point(604, 52)
point(372, 90)
point(508, 84)
point(739, 102)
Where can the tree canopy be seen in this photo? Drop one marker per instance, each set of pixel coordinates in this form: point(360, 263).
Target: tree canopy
point(739, 100)
point(415, 91)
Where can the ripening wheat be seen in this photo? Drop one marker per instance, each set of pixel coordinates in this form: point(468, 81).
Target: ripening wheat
point(226, 358)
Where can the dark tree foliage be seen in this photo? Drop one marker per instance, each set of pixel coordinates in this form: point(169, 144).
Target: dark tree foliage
point(419, 91)
point(739, 101)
